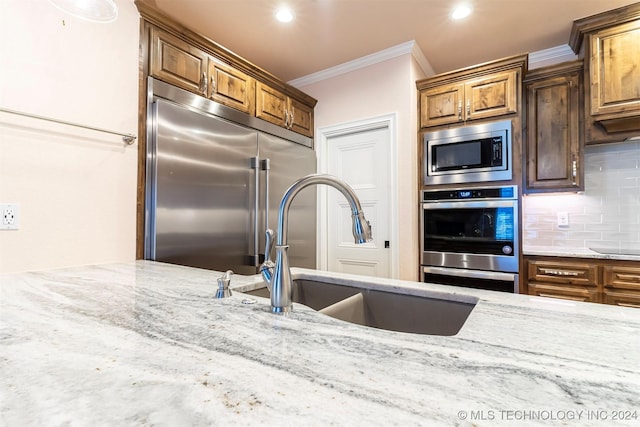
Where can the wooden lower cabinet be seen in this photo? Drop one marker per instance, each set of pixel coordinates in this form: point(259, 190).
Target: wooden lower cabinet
point(581, 279)
point(566, 280)
point(622, 285)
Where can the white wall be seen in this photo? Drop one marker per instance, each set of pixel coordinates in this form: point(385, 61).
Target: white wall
point(606, 215)
point(383, 88)
point(76, 188)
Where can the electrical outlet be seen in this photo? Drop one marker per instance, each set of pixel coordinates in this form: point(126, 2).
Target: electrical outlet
point(563, 219)
point(10, 219)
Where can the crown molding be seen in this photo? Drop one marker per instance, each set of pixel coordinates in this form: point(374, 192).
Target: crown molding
point(554, 55)
point(410, 47)
point(540, 58)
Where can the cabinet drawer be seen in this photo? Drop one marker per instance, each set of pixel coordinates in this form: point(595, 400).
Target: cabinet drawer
point(622, 277)
point(573, 293)
point(562, 272)
point(623, 299)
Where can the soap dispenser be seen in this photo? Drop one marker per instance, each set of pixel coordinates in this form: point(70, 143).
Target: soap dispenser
point(223, 285)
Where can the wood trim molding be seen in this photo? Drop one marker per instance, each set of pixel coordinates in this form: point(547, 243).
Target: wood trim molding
point(518, 61)
point(601, 20)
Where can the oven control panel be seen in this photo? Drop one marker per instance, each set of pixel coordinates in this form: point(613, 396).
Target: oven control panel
point(508, 192)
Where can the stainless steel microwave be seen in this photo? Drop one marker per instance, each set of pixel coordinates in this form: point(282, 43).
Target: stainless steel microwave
point(476, 153)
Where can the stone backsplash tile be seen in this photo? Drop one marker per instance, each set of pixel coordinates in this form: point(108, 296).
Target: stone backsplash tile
point(606, 215)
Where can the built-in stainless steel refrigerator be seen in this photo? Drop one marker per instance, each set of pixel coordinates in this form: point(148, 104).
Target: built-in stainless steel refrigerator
point(215, 178)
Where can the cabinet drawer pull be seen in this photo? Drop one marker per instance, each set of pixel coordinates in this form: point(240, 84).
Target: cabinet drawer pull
point(468, 108)
point(629, 277)
point(559, 273)
point(291, 120)
point(460, 110)
point(567, 297)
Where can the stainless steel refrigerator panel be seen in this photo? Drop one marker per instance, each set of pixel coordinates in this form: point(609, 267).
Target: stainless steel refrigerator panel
point(205, 190)
point(288, 162)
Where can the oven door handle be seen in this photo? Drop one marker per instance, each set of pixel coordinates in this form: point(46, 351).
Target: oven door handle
point(473, 274)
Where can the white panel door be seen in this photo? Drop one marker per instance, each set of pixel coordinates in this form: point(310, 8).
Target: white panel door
point(360, 159)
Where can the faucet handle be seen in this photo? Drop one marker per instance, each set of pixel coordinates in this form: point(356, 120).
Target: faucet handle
point(270, 239)
point(267, 267)
point(223, 285)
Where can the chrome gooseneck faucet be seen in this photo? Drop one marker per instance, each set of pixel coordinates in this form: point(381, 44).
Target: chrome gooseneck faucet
point(278, 275)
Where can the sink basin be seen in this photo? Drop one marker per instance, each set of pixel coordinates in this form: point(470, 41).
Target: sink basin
point(380, 309)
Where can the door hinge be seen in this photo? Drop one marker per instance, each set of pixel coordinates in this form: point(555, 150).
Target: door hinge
point(386, 244)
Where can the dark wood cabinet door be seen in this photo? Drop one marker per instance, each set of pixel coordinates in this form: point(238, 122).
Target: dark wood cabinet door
point(300, 118)
point(554, 138)
point(441, 105)
point(615, 71)
point(491, 96)
point(177, 62)
point(271, 105)
point(231, 87)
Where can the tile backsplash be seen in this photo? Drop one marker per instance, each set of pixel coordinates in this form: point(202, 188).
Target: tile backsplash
point(606, 215)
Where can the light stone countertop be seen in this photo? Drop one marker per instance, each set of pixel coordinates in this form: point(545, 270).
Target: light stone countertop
point(574, 253)
point(144, 343)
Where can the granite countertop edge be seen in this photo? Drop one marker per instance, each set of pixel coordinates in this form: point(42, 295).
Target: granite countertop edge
point(575, 253)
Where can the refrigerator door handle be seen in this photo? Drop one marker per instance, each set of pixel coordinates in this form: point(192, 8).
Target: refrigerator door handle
point(265, 165)
point(254, 259)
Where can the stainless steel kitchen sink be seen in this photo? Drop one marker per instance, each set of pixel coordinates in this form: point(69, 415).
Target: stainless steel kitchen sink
point(380, 309)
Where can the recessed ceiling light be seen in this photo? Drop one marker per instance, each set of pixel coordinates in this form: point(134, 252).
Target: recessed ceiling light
point(460, 12)
point(284, 14)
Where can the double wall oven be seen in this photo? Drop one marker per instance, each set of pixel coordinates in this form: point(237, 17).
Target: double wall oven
point(469, 237)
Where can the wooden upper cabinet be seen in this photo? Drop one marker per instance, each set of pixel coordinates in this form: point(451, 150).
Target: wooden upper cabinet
point(271, 105)
point(301, 117)
point(441, 105)
point(231, 87)
point(279, 109)
point(177, 62)
point(486, 91)
point(615, 71)
point(183, 58)
point(491, 96)
point(609, 42)
point(554, 141)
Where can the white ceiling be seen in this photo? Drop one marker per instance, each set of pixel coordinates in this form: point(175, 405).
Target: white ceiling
point(327, 33)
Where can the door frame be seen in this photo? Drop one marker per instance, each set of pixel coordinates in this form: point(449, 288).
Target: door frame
point(324, 134)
